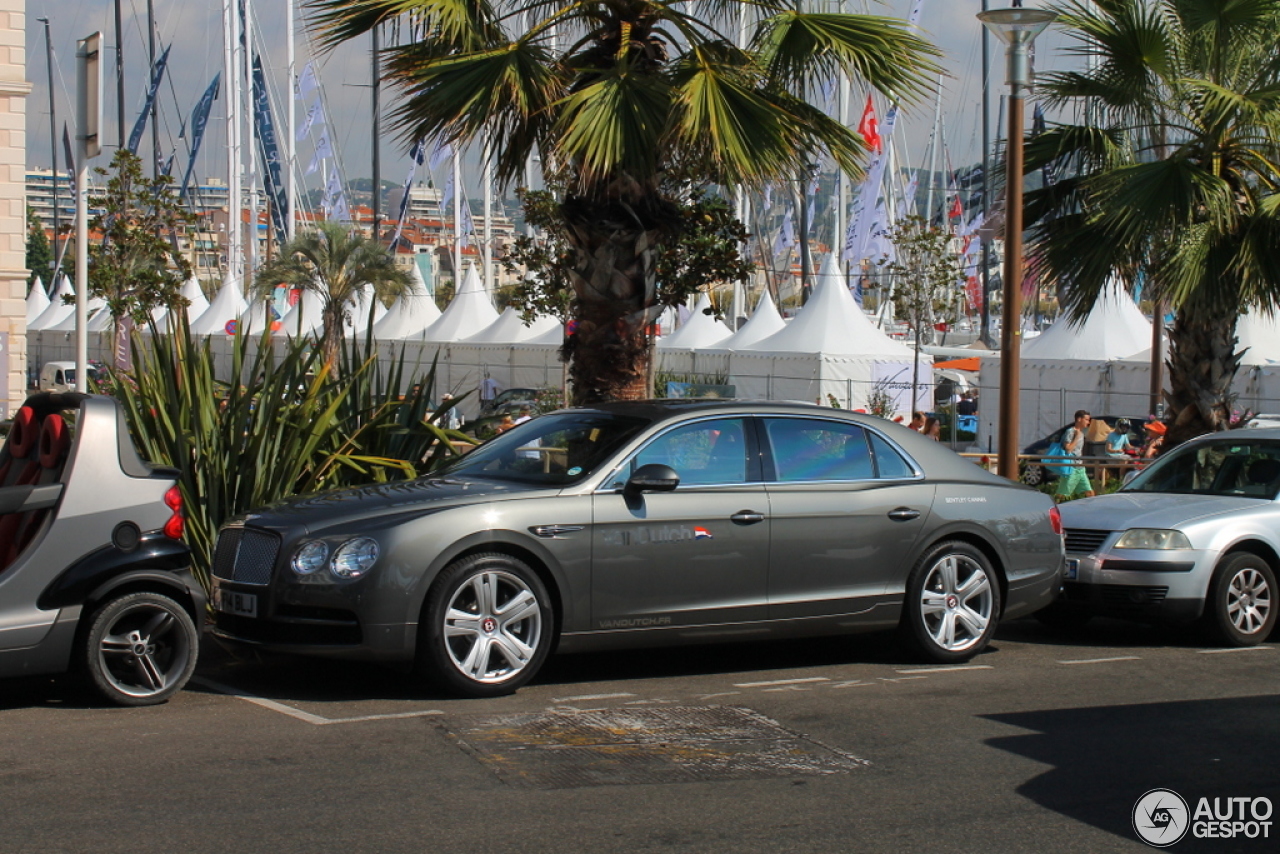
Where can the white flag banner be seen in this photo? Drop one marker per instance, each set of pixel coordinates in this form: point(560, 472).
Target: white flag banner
point(341, 213)
point(447, 197)
point(315, 116)
point(332, 189)
point(467, 227)
point(324, 150)
point(307, 82)
point(439, 154)
point(786, 235)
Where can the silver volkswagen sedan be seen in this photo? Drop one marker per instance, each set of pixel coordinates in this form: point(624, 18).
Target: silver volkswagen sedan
point(1195, 536)
point(640, 524)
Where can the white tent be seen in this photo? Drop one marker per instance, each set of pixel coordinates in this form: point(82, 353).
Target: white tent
point(509, 328)
point(830, 349)
point(260, 317)
point(700, 331)
point(1114, 329)
point(57, 310)
point(197, 304)
point(307, 311)
point(409, 316)
point(228, 305)
point(358, 319)
point(37, 301)
point(94, 306)
point(765, 321)
point(469, 312)
point(1258, 336)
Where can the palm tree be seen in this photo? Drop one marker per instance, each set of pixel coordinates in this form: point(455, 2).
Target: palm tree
point(336, 262)
point(1174, 182)
point(630, 104)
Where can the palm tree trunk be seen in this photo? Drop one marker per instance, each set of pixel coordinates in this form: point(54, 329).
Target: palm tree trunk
point(1202, 365)
point(614, 281)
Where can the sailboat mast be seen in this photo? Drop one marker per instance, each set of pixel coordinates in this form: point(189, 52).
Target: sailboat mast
point(289, 149)
point(457, 219)
point(155, 131)
point(250, 139)
point(377, 134)
point(234, 246)
point(486, 251)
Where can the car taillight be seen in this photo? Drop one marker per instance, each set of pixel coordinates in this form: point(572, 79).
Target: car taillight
point(1055, 519)
point(173, 500)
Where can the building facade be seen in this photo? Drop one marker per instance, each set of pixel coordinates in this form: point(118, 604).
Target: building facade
point(14, 89)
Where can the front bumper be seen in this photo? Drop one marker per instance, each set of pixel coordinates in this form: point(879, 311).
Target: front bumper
point(1165, 586)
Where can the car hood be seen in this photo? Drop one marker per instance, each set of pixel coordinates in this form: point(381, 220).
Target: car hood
point(1124, 510)
point(386, 500)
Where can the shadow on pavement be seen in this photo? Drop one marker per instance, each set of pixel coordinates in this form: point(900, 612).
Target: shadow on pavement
point(1103, 759)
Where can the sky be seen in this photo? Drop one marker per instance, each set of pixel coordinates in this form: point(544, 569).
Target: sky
point(194, 29)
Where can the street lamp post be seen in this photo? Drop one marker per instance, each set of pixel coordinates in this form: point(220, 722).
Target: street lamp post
point(1018, 28)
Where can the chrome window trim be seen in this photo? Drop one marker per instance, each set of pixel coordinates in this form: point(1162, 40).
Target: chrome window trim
point(915, 467)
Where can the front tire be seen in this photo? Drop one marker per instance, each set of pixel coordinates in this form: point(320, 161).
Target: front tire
point(1242, 598)
point(953, 603)
point(487, 626)
point(140, 649)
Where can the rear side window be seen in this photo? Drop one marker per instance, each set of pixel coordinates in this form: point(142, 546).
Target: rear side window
point(889, 462)
point(812, 450)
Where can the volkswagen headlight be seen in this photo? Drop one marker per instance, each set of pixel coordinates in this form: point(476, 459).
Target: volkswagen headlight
point(1152, 538)
point(354, 558)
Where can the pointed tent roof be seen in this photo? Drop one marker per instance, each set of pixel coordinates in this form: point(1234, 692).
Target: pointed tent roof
point(101, 321)
point(409, 316)
point(765, 321)
point(260, 316)
point(509, 328)
point(468, 313)
point(93, 307)
point(37, 301)
point(195, 296)
point(57, 310)
point(831, 324)
point(1115, 328)
point(309, 309)
point(554, 335)
point(1260, 333)
point(358, 320)
point(228, 305)
point(701, 330)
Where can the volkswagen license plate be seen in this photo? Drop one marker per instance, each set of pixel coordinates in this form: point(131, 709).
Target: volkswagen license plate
point(1073, 569)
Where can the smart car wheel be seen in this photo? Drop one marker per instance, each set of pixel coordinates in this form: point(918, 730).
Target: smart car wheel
point(953, 603)
point(1241, 606)
point(140, 649)
point(488, 626)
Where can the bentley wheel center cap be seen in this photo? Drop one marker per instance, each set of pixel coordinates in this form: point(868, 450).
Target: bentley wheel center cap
point(952, 601)
point(489, 625)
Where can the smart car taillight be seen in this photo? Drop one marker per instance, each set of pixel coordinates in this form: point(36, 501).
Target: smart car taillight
point(173, 500)
point(1055, 519)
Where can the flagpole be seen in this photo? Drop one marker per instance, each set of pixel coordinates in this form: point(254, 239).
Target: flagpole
point(251, 134)
point(457, 221)
point(290, 150)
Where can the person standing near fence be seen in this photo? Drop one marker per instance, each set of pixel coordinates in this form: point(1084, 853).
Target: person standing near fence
point(1076, 480)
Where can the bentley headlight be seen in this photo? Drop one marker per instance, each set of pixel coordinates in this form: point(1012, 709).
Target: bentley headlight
point(310, 558)
point(354, 558)
point(1152, 538)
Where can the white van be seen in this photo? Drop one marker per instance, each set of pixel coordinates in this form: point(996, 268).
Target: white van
point(61, 376)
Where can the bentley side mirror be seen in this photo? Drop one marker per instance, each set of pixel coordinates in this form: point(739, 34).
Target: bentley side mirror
point(654, 477)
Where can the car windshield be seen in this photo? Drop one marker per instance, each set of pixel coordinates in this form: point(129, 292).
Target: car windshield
point(553, 450)
point(1236, 468)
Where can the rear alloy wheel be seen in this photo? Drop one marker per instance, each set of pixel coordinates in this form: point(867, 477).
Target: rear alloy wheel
point(953, 603)
point(140, 649)
point(1033, 474)
point(1241, 606)
point(487, 626)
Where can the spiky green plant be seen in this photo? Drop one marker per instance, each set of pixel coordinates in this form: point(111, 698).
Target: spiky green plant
point(274, 425)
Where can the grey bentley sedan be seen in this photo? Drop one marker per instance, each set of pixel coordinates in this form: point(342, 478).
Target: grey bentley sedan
point(643, 524)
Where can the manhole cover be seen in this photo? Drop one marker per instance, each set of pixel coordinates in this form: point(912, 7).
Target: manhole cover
point(571, 749)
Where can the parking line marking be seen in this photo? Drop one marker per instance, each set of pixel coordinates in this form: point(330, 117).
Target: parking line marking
point(590, 697)
point(900, 678)
point(1102, 660)
point(781, 682)
point(1234, 649)
point(305, 717)
point(949, 669)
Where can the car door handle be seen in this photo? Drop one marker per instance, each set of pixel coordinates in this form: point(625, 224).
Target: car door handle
point(903, 514)
point(747, 517)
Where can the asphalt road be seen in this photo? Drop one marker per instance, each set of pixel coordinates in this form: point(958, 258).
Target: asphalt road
point(1041, 744)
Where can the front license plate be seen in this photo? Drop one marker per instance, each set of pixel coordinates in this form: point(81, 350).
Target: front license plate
point(234, 602)
point(1073, 569)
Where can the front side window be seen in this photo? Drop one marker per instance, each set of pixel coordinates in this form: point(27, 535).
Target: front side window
point(704, 453)
point(808, 450)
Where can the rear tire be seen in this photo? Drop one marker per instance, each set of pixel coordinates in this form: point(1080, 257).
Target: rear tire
point(953, 603)
point(141, 649)
point(1241, 608)
point(487, 626)
point(1033, 474)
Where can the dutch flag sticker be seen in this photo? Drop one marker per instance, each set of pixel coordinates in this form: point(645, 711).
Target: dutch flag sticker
point(700, 533)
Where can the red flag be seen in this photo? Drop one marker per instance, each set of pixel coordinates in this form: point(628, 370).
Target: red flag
point(956, 209)
point(869, 127)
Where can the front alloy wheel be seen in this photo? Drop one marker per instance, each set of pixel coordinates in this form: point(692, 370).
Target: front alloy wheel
point(953, 603)
point(488, 625)
point(140, 649)
point(1241, 606)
